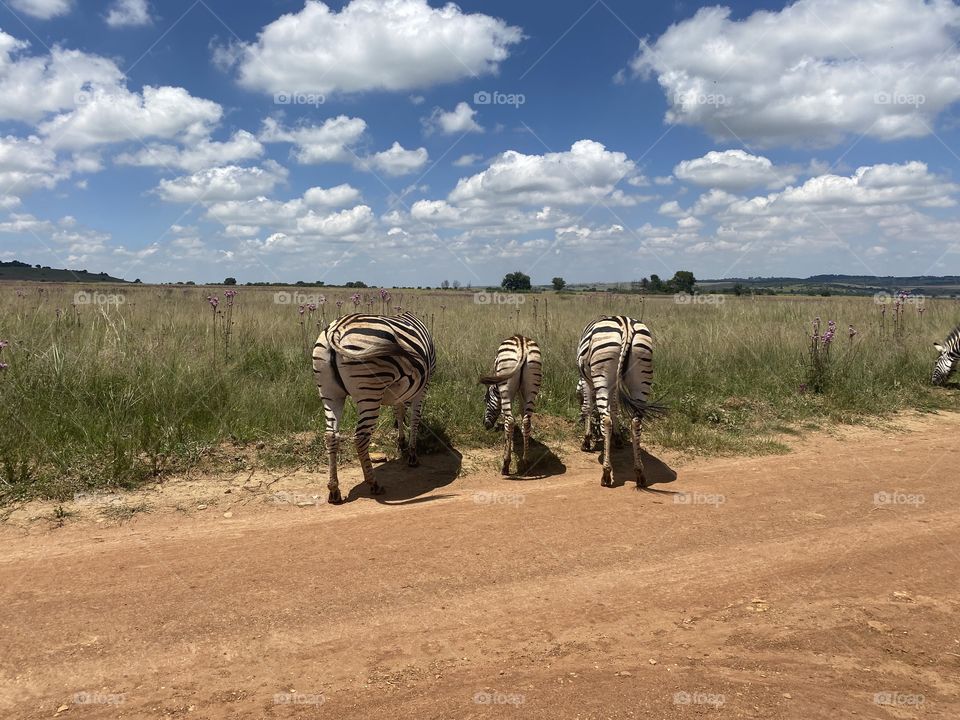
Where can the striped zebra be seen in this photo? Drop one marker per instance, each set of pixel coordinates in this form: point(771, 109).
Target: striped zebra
point(517, 371)
point(377, 361)
point(615, 357)
point(949, 351)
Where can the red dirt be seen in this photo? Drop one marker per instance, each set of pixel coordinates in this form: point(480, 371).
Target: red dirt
point(783, 589)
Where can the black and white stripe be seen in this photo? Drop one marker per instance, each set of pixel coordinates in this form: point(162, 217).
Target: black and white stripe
point(949, 351)
point(615, 357)
point(518, 370)
point(377, 361)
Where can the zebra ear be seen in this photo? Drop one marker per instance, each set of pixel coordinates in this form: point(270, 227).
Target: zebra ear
point(939, 348)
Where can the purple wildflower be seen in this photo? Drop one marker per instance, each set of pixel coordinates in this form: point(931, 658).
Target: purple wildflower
point(213, 300)
point(3, 366)
point(356, 298)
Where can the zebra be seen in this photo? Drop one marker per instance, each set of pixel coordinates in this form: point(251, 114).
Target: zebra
point(376, 360)
point(615, 358)
point(517, 369)
point(949, 351)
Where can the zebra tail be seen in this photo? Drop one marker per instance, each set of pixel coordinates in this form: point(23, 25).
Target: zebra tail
point(503, 377)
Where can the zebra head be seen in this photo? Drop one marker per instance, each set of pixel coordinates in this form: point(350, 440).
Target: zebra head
point(491, 407)
point(944, 365)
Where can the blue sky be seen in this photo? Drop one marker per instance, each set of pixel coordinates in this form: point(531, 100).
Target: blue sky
point(403, 142)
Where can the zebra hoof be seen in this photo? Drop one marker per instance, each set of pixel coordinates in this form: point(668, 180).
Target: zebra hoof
point(505, 470)
point(413, 461)
point(641, 479)
point(586, 445)
point(334, 498)
point(607, 479)
point(376, 489)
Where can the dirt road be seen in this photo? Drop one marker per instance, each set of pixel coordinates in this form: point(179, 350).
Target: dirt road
point(820, 584)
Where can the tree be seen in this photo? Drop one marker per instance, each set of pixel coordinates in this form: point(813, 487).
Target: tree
point(683, 281)
point(515, 281)
point(559, 283)
point(456, 284)
point(656, 284)
point(230, 281)
point(445, 284)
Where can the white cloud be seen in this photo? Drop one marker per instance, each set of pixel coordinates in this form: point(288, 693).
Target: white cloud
point(811, 73)
point(128, 13)
point(330, 142)
point(338, 196)
point(372, 45)
point(457, 121)
point(223, 183)
point(31, 87)
point(118, 115)
point(200, 155)
point(467, 160)
point(42, 9)
point(398, 161)
point(733, 170)
point(585, 174)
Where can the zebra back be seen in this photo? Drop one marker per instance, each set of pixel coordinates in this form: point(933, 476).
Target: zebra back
point(363, 337)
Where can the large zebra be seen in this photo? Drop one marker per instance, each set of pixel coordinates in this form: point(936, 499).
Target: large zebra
point(516, 369)
point(949, 351)
point(615, 357)
point(377, 361)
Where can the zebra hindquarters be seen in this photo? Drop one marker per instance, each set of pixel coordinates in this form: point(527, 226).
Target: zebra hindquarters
point(333, 397)
point(635, 388)
point(529, 389)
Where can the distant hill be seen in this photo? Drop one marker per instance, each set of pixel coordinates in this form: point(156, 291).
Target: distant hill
point(842, 284)
point(21, 271)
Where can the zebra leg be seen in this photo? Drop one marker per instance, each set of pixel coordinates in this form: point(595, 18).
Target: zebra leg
point(606, 429)
point(333, 410)
point(524, 464)
point(400, 416)
point(636, 426)
point(369, 411)
point(506, 410)
point(586, 412)
point(415, 408)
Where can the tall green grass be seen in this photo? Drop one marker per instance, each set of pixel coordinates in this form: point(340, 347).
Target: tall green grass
point(120, 393)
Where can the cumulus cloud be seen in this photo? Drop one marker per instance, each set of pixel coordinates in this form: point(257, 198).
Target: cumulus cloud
point(230, 182)
point(390, 45)
point(397, 160)
point(457, 121)
point(200, 155)
point(128, 13)
point(811, 73)
point(118, 115)
point(733, 170)
point(585, 174)
point(42, 9)
point(337, 196)
point(330, 142)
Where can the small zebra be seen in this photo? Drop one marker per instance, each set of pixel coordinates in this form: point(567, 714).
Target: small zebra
point(949, 351)
point(377, 361)
point(615, 357)
point(518, 368)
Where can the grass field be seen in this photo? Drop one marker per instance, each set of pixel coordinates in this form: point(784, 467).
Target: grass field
point(145, 381)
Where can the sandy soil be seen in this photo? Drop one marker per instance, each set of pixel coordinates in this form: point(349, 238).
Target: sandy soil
point(824, 583)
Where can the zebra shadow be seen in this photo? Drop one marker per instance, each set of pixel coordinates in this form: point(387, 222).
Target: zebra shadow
point(404, 485)
point(542, 462)
point(655, 470)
